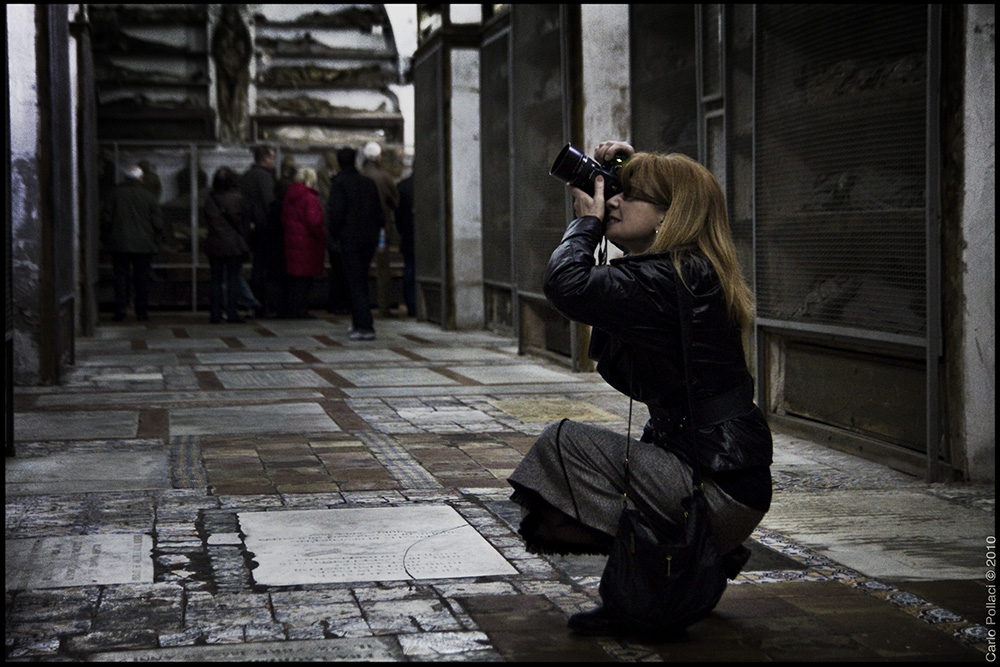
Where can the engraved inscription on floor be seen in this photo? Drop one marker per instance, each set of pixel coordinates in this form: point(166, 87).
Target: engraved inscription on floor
point(417, 542)
point(80, 560)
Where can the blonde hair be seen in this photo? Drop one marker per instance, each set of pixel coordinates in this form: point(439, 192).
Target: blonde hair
point(696, 216)
point(306, 176)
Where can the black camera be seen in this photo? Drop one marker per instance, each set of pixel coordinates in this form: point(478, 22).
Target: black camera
point(574, 168)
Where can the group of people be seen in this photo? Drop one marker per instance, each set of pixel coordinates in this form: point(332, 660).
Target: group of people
point(292, 233)
point(283, 227)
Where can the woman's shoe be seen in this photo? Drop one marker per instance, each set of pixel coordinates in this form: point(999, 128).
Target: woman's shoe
point(594, 623)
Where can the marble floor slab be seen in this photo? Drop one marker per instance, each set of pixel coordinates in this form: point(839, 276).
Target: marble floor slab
point(514, 374)
point(75, 425)
point(317, 327)
point(128, 333)
point(343, 649)
point(127, 359)
point(898, 535)
point(165, 397)
point(339, 356)
point(187, 344)
point(261, 379)
point(549, 409)
point(416, 542)
point(459, 354)
point(475, 390)
point(80, 560)
point(444, 415)
point(128, 377)
point(281, 343)
point(274, 418)
point(394, 377)
point(247, 357)
point(87, 472)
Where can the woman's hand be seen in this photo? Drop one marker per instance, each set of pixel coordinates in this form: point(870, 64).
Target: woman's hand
point(606, 150)
point(584, 204)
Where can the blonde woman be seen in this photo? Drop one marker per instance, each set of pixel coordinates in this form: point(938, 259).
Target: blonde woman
point(680, 262)
point(305, 240)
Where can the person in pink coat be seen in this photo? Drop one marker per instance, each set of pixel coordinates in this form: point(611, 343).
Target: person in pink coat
point(305, 240)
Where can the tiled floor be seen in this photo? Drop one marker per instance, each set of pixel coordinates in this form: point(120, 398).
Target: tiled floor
point(282, 415)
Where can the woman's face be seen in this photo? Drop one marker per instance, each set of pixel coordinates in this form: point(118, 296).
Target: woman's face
point(631, 222)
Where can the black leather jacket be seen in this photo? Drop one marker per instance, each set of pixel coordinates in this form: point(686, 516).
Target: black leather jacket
point(634, 307)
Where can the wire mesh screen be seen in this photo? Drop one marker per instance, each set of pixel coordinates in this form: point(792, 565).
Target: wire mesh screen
point(495, 142)
point(664, 88)
point(739, 131)
point(428, 167)
point(537, 88)
point(840, 165)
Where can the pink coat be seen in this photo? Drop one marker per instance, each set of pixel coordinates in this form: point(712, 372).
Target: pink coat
point(305, 233)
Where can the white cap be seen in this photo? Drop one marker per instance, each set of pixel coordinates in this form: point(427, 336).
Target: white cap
point(372, 150)
point(134, 171)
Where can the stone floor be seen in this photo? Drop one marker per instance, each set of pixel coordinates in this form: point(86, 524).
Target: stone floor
point(126, 505)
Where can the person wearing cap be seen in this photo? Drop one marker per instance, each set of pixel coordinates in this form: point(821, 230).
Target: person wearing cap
point(387, 191)
point(132, 231)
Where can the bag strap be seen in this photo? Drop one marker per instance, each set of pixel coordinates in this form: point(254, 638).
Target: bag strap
point(218, 205)
point(224, 211)
point(684, 309)
point(628, 447)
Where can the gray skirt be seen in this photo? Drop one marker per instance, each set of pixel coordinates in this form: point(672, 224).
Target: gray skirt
point(579, 469)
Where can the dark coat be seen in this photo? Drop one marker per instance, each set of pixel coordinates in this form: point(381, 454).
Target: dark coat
point(634, 307)
point(305, 235)
point(404, 216)
point(354, 212)
point(228, 227)
point(257, 186)
point(131, 220)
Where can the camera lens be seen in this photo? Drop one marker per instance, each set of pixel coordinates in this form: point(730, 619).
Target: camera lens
point(576, 169)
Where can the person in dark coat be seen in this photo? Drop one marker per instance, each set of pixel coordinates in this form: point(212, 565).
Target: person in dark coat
point(404, 225)
point(680, 274)
point(270, 253)
point(132, 231)
point(227, 244)
point(338, 300)
point(355, 218)
point(267, 272)
point(305, 240)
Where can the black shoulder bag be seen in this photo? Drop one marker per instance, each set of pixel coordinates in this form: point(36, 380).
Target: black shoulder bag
point(658, 582)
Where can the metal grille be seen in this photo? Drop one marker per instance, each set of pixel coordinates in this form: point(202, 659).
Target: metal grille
point(664, 87)
point(841, 166)
point(428, 166)
point(739, 131)
point(495, 136)
point(539, 132)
